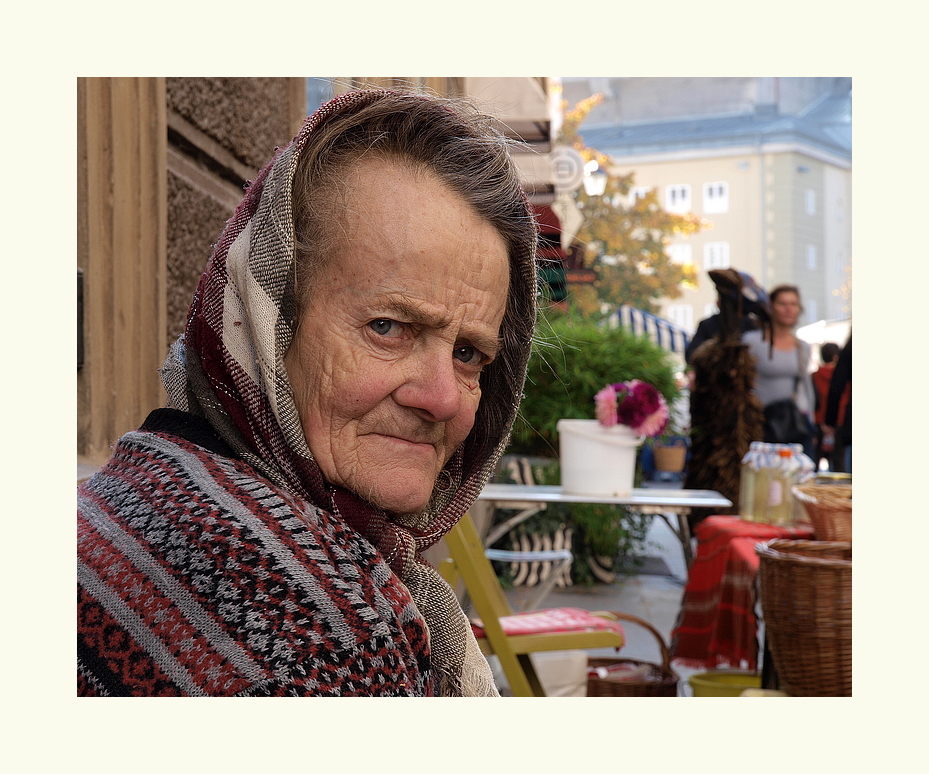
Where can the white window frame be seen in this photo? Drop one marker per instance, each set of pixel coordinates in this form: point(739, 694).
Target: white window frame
point(677, 198)
point(810, 201)
point(681, 315)
point(716, 255)
point(716, 197)
point(637, 192)
point(681, 253)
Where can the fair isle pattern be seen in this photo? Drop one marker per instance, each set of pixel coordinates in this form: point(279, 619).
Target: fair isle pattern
point(197, 578)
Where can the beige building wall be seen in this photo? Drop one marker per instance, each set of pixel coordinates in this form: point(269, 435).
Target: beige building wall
point(837, 242)
point(740, 228)
point(788, 220)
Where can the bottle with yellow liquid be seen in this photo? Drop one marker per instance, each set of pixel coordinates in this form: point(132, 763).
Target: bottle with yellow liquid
point(780, 498)
point(761, 483)
point(750, 464)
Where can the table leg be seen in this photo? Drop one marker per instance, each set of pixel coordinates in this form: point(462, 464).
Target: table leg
point(684, 536)
point(682, 533)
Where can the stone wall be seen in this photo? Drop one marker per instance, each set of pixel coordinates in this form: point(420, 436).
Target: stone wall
point(161, 166)
point(221, 132)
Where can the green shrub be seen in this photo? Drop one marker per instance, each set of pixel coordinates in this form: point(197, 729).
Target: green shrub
point(573, 358)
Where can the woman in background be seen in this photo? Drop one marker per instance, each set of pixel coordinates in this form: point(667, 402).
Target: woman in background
point(782, 362)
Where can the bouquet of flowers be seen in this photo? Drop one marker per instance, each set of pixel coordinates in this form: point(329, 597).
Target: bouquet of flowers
point(636, 404)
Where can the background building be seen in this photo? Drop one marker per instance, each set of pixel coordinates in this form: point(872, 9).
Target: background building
point(766, 161)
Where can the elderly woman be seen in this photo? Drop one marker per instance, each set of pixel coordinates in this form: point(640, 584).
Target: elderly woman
point(349, 375)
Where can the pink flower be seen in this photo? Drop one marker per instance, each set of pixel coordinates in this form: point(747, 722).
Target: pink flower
point(605, 403)
point(636, 404)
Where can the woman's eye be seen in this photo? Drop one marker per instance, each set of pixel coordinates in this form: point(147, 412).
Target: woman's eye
point(385, 327)
point(469, 355)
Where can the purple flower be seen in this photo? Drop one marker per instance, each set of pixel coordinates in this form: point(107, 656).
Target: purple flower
point(636, 404)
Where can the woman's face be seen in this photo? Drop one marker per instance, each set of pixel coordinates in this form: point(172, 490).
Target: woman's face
point(400, 321)
point(785, 309)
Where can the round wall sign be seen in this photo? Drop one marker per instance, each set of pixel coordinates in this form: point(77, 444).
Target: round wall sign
point(568, 168)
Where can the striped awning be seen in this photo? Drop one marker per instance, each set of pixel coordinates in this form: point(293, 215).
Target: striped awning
point(663, 333)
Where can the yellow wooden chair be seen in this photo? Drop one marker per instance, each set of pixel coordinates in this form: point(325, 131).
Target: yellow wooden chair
point(512, 637)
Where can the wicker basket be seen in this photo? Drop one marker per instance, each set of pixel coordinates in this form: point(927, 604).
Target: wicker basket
point(649, 680)
point(829, 507)
point(806, 603)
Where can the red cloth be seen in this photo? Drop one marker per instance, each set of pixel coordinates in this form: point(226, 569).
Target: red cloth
point(821, 378)
point(717, 624)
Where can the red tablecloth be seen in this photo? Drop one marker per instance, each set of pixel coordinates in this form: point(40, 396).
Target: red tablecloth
point(717, 624)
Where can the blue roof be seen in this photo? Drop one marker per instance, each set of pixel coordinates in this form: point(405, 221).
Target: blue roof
point(826, 125)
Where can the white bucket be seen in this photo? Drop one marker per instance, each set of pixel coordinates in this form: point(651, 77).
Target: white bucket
point(597, 460)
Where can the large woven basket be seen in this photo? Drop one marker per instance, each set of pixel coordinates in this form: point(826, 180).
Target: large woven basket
point(829, 507)
point(628, 677)
point(806, 603)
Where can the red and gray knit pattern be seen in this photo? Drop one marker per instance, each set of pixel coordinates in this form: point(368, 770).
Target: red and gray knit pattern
point(197, 577)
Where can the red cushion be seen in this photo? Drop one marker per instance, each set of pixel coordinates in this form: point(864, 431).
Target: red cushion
point(553, 619)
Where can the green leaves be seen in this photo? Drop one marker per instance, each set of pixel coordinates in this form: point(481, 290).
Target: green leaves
point(574, 357)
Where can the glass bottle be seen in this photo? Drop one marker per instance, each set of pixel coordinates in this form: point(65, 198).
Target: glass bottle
point(750, 463)
point(760, 495)
point(780, 499)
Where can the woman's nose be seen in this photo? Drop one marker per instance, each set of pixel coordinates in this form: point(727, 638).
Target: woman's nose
point(431, 387)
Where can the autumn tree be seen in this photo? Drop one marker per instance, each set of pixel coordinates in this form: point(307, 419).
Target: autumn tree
point(624, 241)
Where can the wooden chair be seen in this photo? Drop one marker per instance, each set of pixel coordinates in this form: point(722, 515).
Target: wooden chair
point(512, 637)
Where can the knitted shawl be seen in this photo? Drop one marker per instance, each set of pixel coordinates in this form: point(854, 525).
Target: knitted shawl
point(228, 367)
point(197, 576)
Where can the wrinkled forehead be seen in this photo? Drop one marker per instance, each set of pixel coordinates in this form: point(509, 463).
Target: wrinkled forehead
point(383, 196)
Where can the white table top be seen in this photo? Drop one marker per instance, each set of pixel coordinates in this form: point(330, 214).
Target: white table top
point(653, 500)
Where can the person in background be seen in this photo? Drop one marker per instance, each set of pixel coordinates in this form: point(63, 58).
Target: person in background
point(825, 437)
point(753, 301)
point(839, 386)
point(725, 415)
point(349, 375)
point(782, 362)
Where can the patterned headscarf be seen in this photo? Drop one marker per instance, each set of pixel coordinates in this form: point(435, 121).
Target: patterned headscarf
point(229, 367)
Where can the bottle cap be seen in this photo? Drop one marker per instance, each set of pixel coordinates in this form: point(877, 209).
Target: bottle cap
point(785, 453)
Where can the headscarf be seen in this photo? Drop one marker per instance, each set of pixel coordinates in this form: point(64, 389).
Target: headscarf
point(228, 367)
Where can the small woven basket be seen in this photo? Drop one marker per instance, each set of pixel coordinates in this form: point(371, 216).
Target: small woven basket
point(829, 507)
point(806, 602)
point(650, 679)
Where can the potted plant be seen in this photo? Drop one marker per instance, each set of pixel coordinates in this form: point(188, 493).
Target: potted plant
point(573, 358)
point(598, 456)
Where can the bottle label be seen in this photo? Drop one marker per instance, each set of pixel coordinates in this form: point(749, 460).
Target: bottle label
point(775, 494)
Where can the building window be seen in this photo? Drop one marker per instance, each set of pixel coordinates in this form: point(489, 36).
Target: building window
point(812, 313)
point(682, 254)
point(677, 198)
point(637, 192)
point(810, 201)
point(811, 257)
point(681, 315)
point(715, 197)
point(716, 255)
